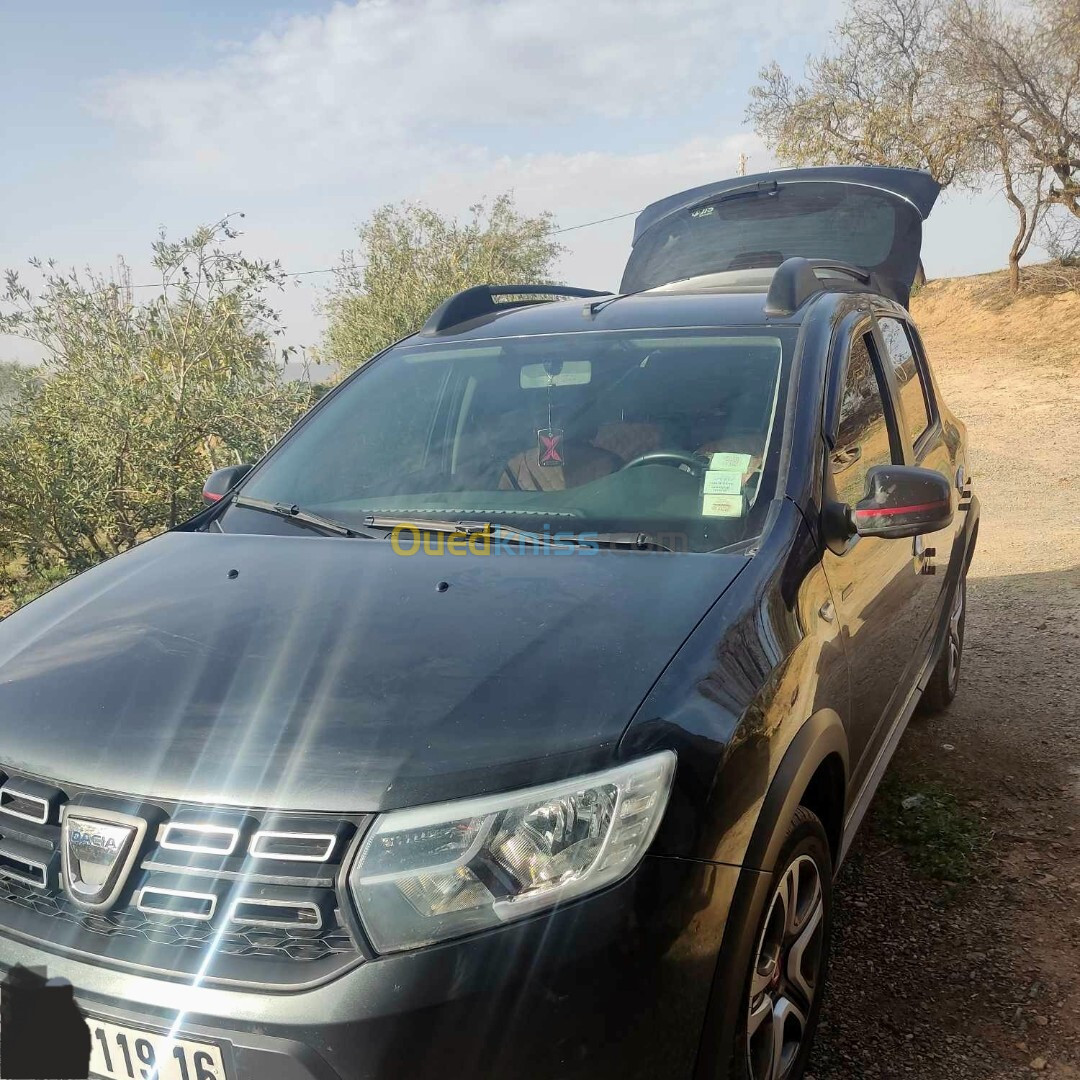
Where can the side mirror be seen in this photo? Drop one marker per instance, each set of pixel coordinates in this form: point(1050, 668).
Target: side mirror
point(222, 481)
point(902, 500)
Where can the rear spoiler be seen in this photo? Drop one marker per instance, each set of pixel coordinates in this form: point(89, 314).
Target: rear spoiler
point(480, 300)
point(796, 280)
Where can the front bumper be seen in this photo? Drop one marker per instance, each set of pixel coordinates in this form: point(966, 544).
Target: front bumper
point(613, 985)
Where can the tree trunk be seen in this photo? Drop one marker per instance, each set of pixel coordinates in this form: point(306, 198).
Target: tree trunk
point(1014, 271)
point(1026, 221)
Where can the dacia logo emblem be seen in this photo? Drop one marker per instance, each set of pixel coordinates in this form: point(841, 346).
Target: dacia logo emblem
point(98, 849)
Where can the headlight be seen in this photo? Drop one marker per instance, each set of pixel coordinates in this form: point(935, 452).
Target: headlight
point(440, 871)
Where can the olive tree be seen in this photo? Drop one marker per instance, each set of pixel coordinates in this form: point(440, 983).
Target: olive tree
point(141, 395)
point(12, 380)
point(410, 258)
point(880, 95)
point(1020, 66)
point(1061, 238)
point(974, 92)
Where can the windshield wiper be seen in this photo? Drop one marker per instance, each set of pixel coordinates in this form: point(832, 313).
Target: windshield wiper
point(638, 541)
point(301, 517)
point(391, 522)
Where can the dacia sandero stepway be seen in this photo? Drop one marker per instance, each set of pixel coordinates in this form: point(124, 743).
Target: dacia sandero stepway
point(512, 716)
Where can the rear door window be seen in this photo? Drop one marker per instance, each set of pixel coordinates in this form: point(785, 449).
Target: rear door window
point(909, 379)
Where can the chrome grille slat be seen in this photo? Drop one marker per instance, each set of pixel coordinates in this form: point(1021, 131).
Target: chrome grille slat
point(269, 920)
point(180, 911)
point(19, 862)
point(11, 797)
point(235, 870)
point(267, 837)
point(228, 833)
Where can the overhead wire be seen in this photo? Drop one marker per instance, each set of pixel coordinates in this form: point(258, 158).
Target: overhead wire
point(346, 266)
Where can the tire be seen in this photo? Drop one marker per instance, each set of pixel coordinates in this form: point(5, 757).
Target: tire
point(784, 983)
point(945, 678)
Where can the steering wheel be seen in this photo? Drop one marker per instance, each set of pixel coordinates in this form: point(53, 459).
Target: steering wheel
point(676, 459)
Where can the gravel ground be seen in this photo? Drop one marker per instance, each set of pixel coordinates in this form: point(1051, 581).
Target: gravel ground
point(981, 979)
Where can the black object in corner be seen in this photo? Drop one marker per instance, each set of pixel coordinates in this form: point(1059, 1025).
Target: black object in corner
point(43, 1032)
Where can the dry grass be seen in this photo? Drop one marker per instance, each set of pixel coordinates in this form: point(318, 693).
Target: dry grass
point(1051, 278)
point(963, 317)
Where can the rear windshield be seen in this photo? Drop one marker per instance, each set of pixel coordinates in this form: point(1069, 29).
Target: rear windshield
point(854, 225)
point(664, 432)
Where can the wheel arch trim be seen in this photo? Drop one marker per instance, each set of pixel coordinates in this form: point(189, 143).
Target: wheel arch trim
point(820, 737)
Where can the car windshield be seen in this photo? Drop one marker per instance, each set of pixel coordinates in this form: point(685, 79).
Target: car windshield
point(672, 433)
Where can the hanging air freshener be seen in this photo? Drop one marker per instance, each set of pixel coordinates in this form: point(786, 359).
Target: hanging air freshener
point(550, 447)
point(549, 440)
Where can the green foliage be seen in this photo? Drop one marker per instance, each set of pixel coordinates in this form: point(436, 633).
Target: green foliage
point(13, 379)
point(139, 400)
point(940, 840)
point(19, 586)
point(410, 259)
point(9, 382)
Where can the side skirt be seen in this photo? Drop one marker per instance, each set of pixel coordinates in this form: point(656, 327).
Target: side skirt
point(861, 803)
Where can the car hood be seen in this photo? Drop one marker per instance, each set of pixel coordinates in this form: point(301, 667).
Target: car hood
point(866, 216)
point(332, 674)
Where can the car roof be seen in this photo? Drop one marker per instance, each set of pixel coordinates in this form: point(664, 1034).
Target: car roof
point(715, 301)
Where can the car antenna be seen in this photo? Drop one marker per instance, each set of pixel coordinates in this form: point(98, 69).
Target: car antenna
point(596, 306)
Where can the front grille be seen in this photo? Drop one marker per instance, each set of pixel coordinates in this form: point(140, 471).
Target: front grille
point(272, 944)
point(234, 896)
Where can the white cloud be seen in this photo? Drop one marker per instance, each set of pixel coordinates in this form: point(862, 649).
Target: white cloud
point(318, 120)
point(392, 88)
point(577, 188)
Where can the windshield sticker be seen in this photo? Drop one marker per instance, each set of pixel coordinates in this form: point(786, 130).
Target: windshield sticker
point(703, 211)
point(723, 506)
point(730, 462)
point(550, 444)
point(723, 483)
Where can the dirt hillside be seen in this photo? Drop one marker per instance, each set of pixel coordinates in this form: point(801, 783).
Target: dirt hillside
point(958, 933)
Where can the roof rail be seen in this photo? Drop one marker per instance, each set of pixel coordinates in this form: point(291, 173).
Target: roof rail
point(796, 280)
point(480, 300)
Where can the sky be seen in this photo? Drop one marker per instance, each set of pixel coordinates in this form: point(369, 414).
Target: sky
point(127, 116)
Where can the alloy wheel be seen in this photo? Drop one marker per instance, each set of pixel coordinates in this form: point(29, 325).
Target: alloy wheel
point(955, 644)
point(786, 974)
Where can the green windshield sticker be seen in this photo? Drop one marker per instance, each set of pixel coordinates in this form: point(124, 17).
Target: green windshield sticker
point(723, 506)
point(730, 462)
point(723, 483)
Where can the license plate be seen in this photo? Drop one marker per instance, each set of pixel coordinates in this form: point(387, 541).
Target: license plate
point(123, 1053)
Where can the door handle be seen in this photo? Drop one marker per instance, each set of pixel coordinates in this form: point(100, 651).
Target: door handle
point(924, 557)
